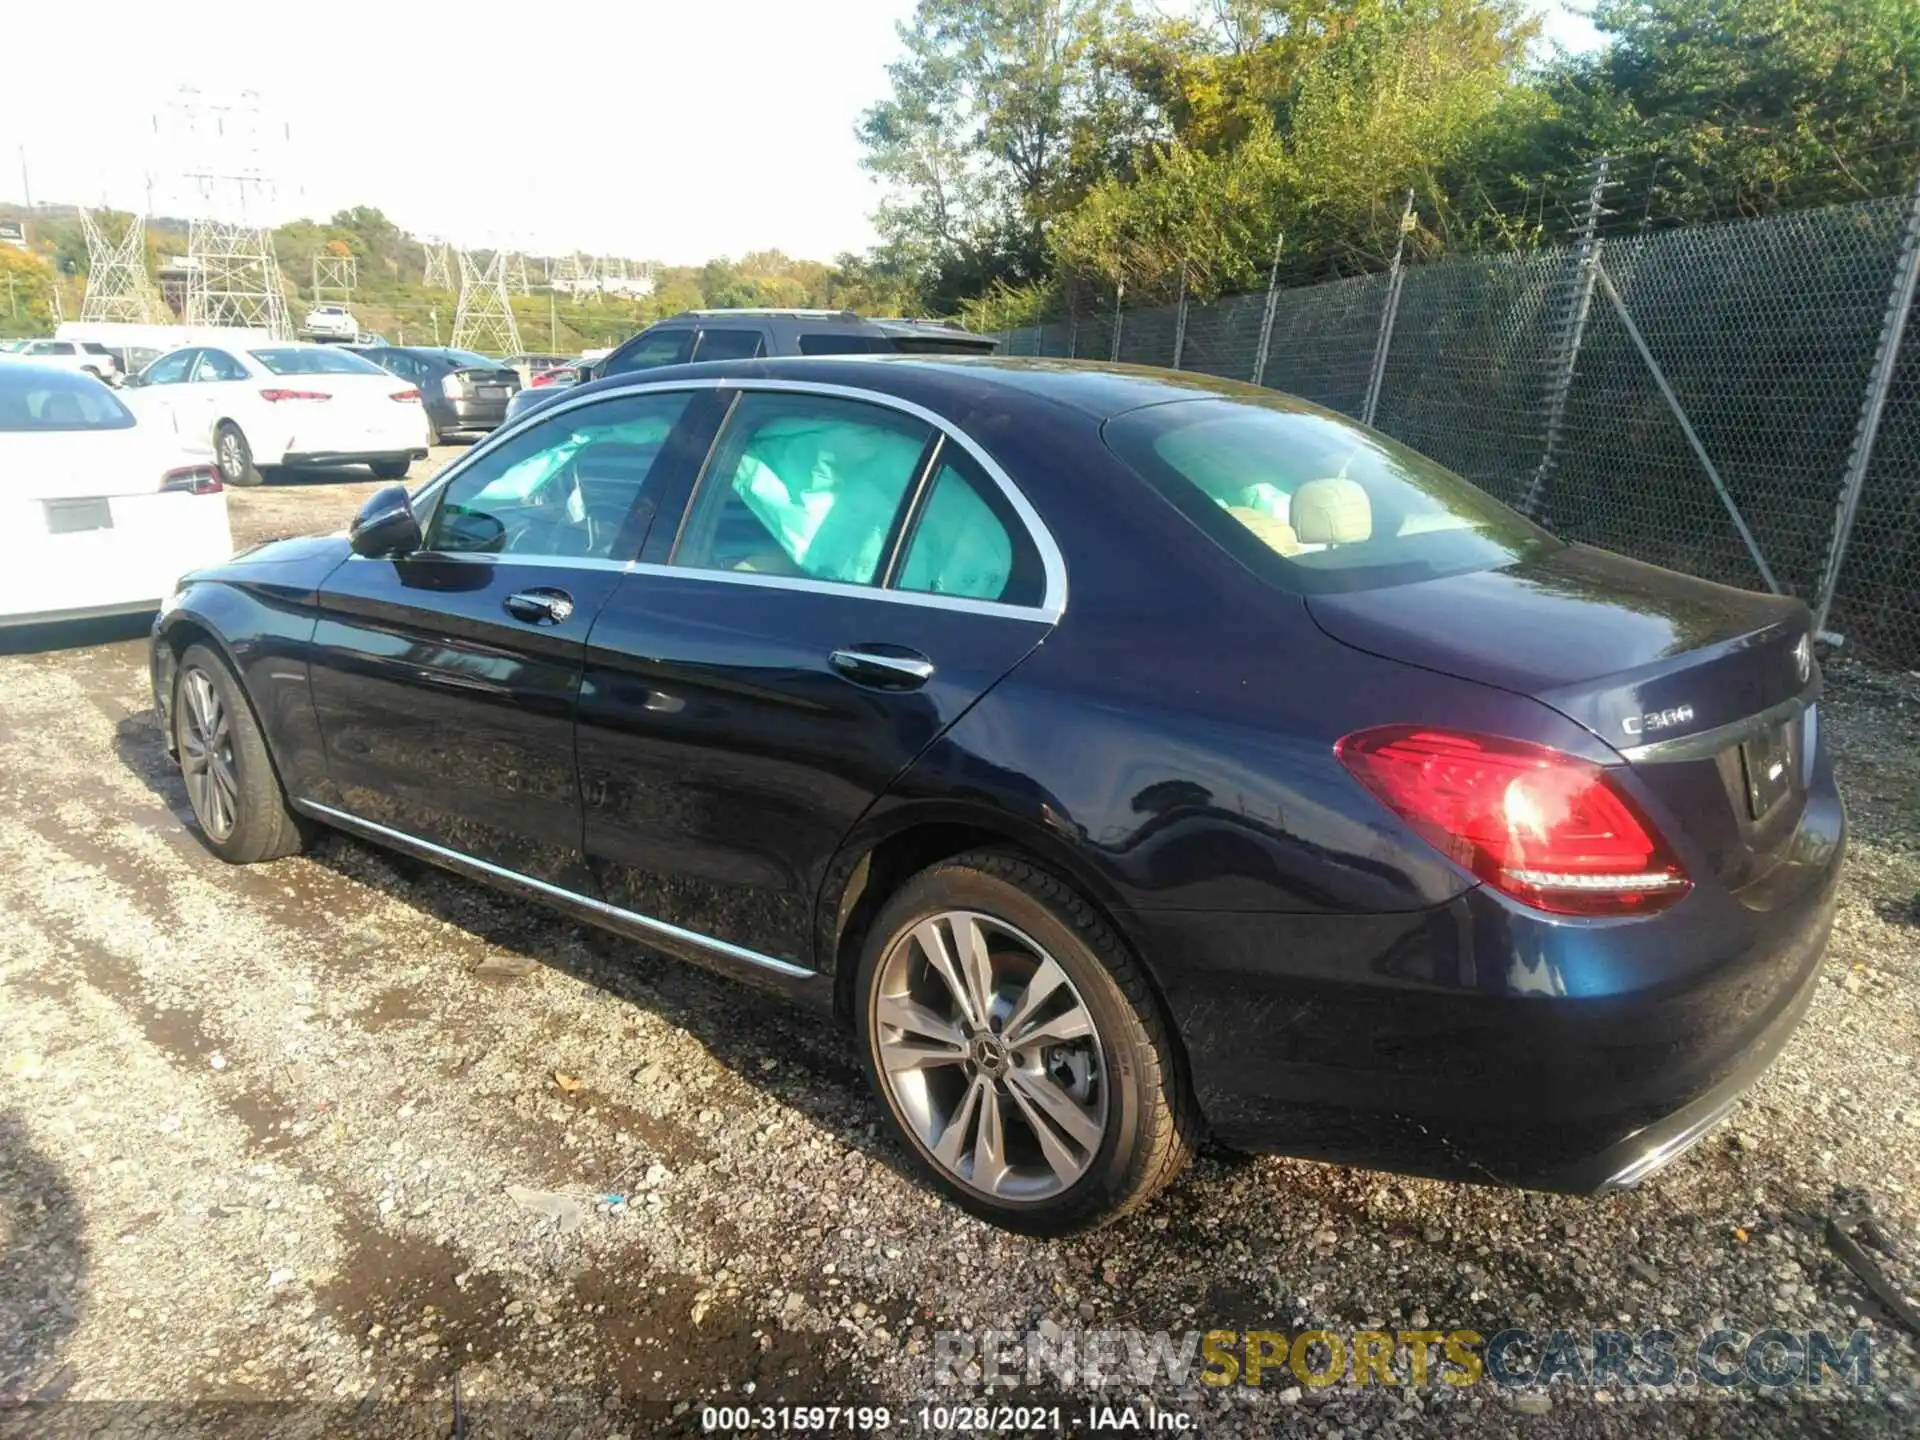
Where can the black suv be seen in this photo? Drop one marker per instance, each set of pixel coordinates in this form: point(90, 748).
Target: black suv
point(696, 335)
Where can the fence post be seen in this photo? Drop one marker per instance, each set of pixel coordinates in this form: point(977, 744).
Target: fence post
point(1119, 299)
point(1586, 257)
point(1180, 321)
point(1266, 320)
point(1384, 340)
point(1906, 278)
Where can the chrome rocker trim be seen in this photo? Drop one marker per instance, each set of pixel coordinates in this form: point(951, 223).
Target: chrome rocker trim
point(643, 927)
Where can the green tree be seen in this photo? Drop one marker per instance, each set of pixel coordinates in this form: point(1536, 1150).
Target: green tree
point(26, 293)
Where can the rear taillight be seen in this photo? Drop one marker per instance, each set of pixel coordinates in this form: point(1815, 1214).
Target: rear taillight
point(1551, 830)
point(452, 386)
point(406, 395)
point(279, 395)
point(191, 480)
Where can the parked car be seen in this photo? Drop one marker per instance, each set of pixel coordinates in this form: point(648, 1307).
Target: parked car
point(706, 335)
point(81, 356)
point(566, 373)
point(1380, 827)
point(532, 366)
point(464, 393)
point(286, 404)
point(330, 322)
point(102, 513)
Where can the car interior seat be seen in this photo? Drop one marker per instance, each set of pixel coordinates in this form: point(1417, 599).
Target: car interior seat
point(1332, 512)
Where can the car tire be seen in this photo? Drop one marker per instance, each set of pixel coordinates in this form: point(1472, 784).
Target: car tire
point(1051, 1138)
point(390, 469)
point(234, 455)
point(237, 799)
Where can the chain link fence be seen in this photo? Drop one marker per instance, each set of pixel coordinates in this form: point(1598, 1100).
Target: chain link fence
point(1738, 400)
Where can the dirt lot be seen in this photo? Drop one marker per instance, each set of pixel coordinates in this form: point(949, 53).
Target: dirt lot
point(258, 1130)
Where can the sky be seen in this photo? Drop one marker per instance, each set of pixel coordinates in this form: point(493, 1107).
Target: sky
point(671, 130)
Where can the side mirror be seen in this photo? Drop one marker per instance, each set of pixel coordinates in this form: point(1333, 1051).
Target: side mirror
point(385, 525)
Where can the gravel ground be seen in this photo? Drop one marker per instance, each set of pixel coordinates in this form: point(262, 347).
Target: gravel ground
point(259, 1130)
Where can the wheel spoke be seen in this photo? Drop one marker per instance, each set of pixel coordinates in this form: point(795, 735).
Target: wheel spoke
point(1045, 983)
point(1074, 1024)
point(952, 1143)
point(927, 1039)
point(990, 1145)
point(1058, 1106)
point(1065, 1165)
point(976, 965)
point(933, 944)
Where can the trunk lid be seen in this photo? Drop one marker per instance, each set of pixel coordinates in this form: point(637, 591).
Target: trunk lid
point(1703, 689)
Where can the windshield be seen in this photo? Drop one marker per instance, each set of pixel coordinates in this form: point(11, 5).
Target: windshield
point(467, 359)
point(1313, 502)
point(317, 361)
point(36, 399)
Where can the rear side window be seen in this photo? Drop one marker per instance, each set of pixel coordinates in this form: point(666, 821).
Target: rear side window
point(966, 541)
point(840, 342)
point(804, 485)
point(1313, 502)
point(729, 345)
point(33, 400)
point(649, 352)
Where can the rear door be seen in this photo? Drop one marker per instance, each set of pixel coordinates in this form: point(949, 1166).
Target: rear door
point(730, 342)
point(847, 580)
point(445, 681)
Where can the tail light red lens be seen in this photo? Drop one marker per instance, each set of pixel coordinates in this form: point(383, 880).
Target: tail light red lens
point(192, 480)
point(1550, 829)
point(279, 395)
point(405, 395)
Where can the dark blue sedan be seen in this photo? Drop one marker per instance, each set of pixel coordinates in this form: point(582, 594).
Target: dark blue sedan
point(1126, 756)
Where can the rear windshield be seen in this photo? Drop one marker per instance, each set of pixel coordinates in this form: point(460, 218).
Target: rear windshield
point(36, 399)
point(831, 343)
point(470, 361)
point(317, 361)
point(1313, 502)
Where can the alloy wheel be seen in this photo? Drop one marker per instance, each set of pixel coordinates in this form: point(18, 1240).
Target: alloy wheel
point(206, 756)
point(990, 1056)
point(232, 464)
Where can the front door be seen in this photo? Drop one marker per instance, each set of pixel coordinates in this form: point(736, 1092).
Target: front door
point(846, 582)
point(444, 681)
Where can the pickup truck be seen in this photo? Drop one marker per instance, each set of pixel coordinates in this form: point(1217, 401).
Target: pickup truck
point(80, 355)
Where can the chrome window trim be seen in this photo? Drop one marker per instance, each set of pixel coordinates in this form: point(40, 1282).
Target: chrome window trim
point(1053, 601)
point(476, 557)
point(1705, 744)
point(460, 860)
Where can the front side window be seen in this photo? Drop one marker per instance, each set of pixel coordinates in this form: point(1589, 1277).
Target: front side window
point(803, 485)
point(729, 345)
point(51, 347)
point(1313, 502)
point(966, 541)
point(218, 365)
point(317, 360)
point(564, 487)
point(650, 351)
point(170, 369)
point(55, 400)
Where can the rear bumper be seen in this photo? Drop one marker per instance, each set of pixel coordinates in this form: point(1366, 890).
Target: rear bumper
point(1482, 1041)
point(123, 568)
point(477, 414)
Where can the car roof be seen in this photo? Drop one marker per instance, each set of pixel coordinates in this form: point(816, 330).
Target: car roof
point(1094, 389)
point(816, 321)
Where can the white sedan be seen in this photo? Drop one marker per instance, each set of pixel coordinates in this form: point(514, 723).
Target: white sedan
point(285, 403)
point(102, 511)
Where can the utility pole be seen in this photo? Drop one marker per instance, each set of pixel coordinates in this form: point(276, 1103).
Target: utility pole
point(553, 322)
point(1383, 342)
point(1266, 320)
point(435, 313)
point(26, 185)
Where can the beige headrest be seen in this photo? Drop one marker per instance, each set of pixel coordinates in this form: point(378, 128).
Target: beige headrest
point(1332, 512)
point(1276, 535)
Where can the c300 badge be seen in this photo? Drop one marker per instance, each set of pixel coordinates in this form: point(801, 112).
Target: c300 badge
point(1655, 720)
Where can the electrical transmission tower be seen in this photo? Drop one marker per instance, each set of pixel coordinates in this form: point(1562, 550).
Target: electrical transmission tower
point(335, 277)
point(233, 278)
point(573, 274)
point(118, 286)
point(439, 274)
point(516, 273)
point(483, 320)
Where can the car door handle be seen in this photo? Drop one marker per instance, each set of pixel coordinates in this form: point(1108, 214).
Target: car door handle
point(540, 606)
point(902, 670)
